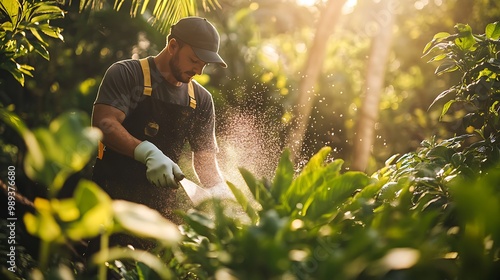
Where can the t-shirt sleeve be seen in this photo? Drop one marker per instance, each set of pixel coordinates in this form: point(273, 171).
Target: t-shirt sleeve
point(119, 88)
point(203, 130)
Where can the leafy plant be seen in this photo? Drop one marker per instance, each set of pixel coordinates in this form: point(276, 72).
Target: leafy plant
point(54, 154)
point(478, 92)
point(21, 21)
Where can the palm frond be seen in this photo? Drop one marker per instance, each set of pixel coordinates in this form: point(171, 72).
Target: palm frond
point(164, 13)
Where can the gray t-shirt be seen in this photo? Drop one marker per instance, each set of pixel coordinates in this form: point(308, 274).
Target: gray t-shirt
point(123, 85)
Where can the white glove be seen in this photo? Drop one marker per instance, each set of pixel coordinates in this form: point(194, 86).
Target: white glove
point(161, 170)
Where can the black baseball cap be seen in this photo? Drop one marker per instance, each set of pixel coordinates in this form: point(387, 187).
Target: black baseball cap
point(202, 36)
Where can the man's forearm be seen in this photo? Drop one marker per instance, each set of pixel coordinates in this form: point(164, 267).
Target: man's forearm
point(117, 138)
point(207, 169)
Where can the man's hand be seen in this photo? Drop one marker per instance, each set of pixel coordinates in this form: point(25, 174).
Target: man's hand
point(161, 170)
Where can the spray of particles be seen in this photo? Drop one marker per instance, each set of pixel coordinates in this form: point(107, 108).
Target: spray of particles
point(246, 142)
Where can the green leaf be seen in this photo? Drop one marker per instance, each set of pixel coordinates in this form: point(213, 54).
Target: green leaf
point(388, 191)
point(66, 147)
point(11, 8)
point(438, 57)
point(441, 96)
point(166, 13)
point(46, 11)
point(493, 31)
point(318, 160)
point(15, 122)
point(35, 33)
point(41, 49)
point(27, 69)
point(440, 152)
point(311, 177)
point(54, 32)
point(439, 37)
point(330, 196)
point(447, 66)
point(42, 224)
point(465, 40)
point(94, 207)
point(143, 221)
point(65, 209)
point(283, 176)
point(200, 223)
point(13, 68)
point(75, 137)
point(145, 257)
point(446, 107)
point(46, 17)
point(367, 194)
point(260, 192)
point(243, 201)
point(144, 6)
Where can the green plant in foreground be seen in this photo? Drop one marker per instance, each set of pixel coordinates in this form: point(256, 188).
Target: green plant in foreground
point(54, 154)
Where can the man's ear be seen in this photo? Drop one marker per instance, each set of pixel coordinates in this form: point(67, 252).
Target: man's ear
point(172, 46)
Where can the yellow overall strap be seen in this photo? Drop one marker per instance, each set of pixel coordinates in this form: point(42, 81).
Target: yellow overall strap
point(147, 76)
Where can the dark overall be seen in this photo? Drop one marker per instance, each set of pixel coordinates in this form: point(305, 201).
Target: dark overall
point(166, 126)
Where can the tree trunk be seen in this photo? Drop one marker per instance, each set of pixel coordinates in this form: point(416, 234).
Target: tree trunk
point(312, 69)
point(368, 113)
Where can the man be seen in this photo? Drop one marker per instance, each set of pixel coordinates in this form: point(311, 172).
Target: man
point(146, 118)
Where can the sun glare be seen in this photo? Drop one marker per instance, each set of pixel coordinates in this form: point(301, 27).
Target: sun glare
point(348, 7)
point(308, 3)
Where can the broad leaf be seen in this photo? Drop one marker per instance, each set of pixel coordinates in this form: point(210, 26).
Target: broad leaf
point(143, 221)
point(331, 195)
point(465, 40)
point(244, 202)
point(446, 66)
point(437, 38)
point(446, 107)
point(94, 206)
point(145, 257)
point(493, 31)
point(66, 147)
point(43, 224)
point(200, 223)
point(442, 95)
point(283, 176)
point(261, 194)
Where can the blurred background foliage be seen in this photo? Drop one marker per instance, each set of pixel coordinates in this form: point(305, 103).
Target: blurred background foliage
point(265, 44)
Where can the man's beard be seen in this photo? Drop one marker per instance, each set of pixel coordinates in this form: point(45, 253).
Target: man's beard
point(176, 71)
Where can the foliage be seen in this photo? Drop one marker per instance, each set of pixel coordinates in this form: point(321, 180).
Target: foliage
point(56, 153)
point(164, 12)
point(25, 27)
point(370, 228)
point(476, 57)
